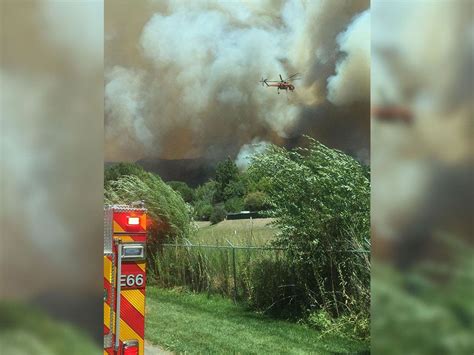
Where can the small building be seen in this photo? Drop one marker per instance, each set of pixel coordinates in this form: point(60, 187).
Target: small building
point(243, 215)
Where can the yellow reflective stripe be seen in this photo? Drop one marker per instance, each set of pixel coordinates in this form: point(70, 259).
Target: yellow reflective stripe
point(107, 268)
point(136, 298)
point(126, 238)
point(117, 228)
point(127, 333)
point(142, 265)
point(107, 315)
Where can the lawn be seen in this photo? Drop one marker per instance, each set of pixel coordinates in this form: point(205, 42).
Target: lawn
point(185, 322)
point(256, 232)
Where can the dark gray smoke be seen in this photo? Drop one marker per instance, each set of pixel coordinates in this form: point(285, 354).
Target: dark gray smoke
point(182, 77)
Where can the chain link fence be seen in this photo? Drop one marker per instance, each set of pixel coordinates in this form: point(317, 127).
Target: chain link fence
point(256, 274)
point(223, 269)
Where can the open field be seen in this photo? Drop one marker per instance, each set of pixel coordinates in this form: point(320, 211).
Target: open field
point(255, 232)
point(194, 323)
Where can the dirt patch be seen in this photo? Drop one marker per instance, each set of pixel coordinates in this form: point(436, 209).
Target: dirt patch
point(151, 349)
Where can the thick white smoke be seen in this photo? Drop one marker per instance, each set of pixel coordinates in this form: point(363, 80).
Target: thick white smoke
point(125, 100)
point(248, 151)
point(352, 80)
point(191, 69)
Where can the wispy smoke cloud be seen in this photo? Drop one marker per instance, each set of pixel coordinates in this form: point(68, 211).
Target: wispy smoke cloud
point(192, 69)
point(248, 151)
point(352, 80)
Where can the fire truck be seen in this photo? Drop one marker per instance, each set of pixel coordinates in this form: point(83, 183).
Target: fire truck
point(125, 233)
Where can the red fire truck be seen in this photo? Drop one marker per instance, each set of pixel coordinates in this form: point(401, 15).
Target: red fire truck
point(125, 232)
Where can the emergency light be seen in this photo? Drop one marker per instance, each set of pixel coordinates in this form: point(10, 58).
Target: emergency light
point(133, 221)
point(130, 347)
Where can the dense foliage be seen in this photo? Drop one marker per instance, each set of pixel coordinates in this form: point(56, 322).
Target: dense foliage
point(166, 208)
point(186, 192)
point(115, 171)
point(232, 189)
point(320, 199)
point(218, 214)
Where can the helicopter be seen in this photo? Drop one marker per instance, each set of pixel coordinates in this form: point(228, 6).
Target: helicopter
point(282, 84)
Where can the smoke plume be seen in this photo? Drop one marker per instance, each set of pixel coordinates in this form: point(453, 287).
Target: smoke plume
point(182, 77)
point(248, 151)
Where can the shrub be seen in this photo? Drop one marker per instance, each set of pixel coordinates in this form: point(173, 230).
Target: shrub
point(167, 211)
point(256, 201)
point(235, 204)
point(202, 211)
point(320, 201)
point(218, 214)
point(272, 287)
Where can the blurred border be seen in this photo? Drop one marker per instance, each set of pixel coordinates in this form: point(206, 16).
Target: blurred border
point(52, 136)
point(422, 174)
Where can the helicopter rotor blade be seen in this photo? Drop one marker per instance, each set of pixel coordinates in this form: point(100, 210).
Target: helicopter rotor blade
point(295, 76)
point(281, 77)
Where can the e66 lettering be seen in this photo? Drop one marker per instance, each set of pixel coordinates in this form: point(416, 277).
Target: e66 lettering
point(131, 280)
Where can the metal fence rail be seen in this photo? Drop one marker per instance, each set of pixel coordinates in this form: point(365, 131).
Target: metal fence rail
point(233, 262)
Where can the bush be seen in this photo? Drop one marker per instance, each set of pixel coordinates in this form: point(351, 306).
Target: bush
point(218, 214)
point(272, 287)
point(116, 171)
point(256, 201)
point(205, 192)
point(203, 211)
point(320, 201)
point(235, 204)
point(167, 211)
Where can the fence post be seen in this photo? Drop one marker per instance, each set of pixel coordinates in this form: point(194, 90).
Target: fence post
point(234, 270)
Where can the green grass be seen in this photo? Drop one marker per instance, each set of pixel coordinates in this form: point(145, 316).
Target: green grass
point(193, 323)
point(255, 232)
point(26, 330)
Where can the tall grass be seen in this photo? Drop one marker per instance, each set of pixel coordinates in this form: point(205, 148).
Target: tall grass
point(267, 281)
point(211, 270)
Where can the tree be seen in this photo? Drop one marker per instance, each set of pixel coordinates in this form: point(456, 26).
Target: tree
point(218, 214)
point(115, 171)
point(256, 201)
point(206, 192)
point(202, 211)
point(234, 189)
point(226, 173)
point(320, 201)
point(186, 192)
point(234, 204)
